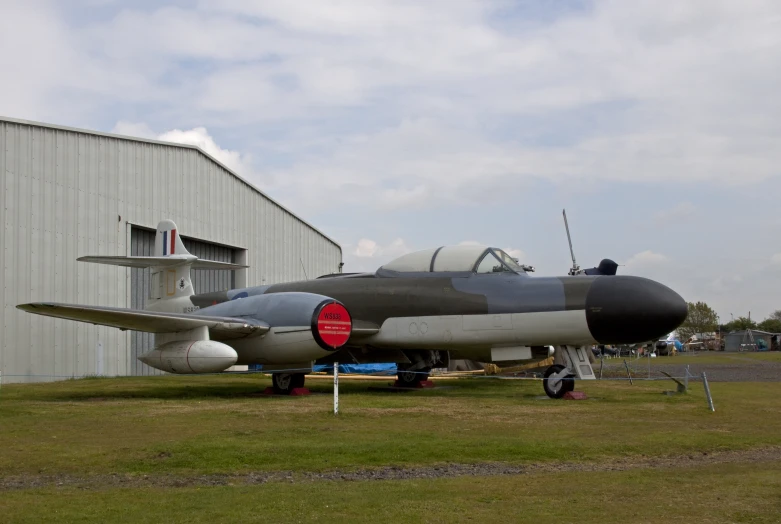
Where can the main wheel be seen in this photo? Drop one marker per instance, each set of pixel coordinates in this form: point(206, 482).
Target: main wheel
point(411, 379)
point(284, 383)
point(560, 388)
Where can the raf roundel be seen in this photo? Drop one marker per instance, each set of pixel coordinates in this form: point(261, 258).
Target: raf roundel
point(333, 325)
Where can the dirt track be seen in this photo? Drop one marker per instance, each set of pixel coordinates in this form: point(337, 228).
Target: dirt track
point(770, 454)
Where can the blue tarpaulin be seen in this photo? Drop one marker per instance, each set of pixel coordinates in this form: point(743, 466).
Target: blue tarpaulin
point(365, 369)
point(360, 368)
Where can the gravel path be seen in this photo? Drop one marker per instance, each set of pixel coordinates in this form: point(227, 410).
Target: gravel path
point(770, 454)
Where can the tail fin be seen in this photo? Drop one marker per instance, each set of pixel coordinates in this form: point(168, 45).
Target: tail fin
point(171, 286)
point(167, 241)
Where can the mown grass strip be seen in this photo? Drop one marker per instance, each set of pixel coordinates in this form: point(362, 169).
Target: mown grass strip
point(202, 425)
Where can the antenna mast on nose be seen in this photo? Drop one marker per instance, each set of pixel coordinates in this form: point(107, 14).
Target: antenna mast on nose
point(575, 270)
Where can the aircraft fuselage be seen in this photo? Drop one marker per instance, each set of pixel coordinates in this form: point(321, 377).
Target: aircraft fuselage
point(476, 315)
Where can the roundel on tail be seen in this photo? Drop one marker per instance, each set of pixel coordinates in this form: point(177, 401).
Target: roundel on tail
point(331, 325)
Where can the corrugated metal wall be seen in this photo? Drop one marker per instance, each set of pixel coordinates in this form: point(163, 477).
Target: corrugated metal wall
point(733, 341)
point(142, 243)
point(68, 193)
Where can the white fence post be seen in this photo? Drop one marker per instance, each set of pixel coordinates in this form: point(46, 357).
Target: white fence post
point(707, 392)
point(336, 388)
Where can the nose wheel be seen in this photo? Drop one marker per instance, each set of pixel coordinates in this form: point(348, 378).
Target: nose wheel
point(557, 381)
point(284, 383)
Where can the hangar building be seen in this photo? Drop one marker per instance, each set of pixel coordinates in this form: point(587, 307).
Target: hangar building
point(70, 192)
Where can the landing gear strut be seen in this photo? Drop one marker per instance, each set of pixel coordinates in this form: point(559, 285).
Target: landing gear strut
point(284, 383)
point(557, 381)
point(570, 362)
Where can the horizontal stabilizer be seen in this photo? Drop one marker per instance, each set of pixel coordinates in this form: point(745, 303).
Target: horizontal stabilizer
point(213, 264)
point(167, 261)
point(220, 328)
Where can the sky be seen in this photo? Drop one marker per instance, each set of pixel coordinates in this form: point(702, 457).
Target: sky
point(400, 125)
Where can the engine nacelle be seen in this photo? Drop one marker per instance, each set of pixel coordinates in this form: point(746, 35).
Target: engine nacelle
point(304, 326)
point(191, 356)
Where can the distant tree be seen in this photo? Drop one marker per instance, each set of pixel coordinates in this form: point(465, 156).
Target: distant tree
point(771, 324)
point(775, 315)
point(700, 319)
point(741, 323)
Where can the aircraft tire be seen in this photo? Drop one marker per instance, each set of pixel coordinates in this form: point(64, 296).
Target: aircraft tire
point(411, 379)
point(564, 387)
point(284, 383)
point(569, 384)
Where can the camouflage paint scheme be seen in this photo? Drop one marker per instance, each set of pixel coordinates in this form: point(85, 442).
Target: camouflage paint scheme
point(470, 314)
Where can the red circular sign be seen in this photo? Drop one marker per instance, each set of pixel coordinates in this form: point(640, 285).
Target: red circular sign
point(334, 325)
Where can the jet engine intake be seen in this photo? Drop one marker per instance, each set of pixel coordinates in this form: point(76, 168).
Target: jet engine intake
point(188, 356)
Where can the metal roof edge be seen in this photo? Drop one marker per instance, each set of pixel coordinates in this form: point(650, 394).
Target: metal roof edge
point(172, 144)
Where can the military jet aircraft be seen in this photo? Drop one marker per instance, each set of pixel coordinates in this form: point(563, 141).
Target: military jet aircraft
point(420, 310)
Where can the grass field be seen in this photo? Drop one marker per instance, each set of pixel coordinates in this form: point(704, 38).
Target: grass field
point(183, 427)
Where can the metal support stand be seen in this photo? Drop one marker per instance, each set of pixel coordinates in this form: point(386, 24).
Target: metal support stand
point(601, 365)
point(336, 388)
point(627, 372)
point(707, 392)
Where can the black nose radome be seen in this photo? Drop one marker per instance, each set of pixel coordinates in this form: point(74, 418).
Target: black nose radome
point(624, 309)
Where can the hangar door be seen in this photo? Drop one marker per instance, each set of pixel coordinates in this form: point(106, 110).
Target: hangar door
point(142, 243)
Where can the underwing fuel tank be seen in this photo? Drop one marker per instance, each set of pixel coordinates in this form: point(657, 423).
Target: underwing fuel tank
point(188, 356)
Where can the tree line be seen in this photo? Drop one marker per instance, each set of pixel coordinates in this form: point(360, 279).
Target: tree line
point(703, 319)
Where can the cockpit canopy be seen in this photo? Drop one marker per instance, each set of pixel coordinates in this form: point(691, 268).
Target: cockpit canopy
point(480, 259)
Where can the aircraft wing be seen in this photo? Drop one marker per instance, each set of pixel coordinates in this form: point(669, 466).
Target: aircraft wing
point(168, 261)
point(220, 328)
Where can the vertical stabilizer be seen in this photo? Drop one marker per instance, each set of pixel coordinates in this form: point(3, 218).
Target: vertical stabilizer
point(168, 241)
point(171, 285)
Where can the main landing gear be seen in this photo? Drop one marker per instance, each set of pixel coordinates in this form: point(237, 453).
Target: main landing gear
point(411, 379)
point(285, 383)
point(411, 374)
point(570, 362)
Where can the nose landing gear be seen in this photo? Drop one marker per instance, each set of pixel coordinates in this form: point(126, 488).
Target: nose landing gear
point(557, 381)
point(571, 362)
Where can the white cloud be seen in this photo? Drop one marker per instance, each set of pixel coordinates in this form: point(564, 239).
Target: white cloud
point(677, 213)
point(368, 255)
point(516, 253)
point(199, 136)
point(684, 94)
point(369, 248)
point(366, 248)
point(136, 129)
point(645, 261)
point(724, 283)
point(776, 259)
